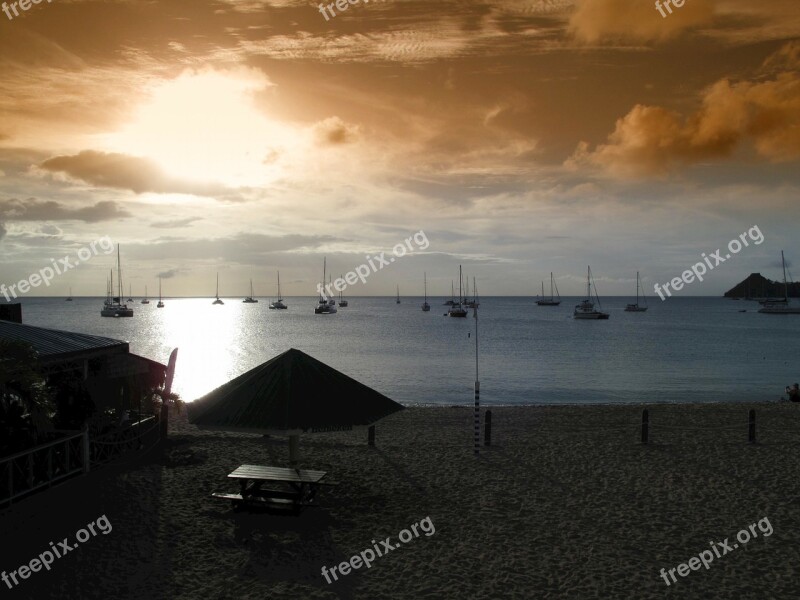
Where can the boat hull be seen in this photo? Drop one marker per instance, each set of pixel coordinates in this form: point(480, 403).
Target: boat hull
point(548, 302)
point(116, 312)
point(780, 310)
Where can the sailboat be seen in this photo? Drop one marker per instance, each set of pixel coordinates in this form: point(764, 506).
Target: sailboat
point(279, 302)
point(586, 309)
point(457, 309)
point(474, 303)
point(550, 300)
point(130, 293)
point(398, 295)
point(636, 307)
point(250, 299)
point(217, 301)
point(113, 307)
point(425, 306)
point(145, 300)
point(342, 301)
point(452, 301)
point(325, 307)
point(781, 306)
point(160, 301)
point(69, 298)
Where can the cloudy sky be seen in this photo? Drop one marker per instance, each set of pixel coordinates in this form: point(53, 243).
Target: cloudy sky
point(522, 136)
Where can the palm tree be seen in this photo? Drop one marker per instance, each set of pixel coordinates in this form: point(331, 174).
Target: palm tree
point(26, 406)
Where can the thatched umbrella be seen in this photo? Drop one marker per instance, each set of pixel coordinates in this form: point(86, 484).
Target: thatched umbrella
point(291, 394)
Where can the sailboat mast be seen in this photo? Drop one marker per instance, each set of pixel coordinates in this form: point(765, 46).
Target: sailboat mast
point(279, 285)
point(425, 279)
point(119, 277)
point(785, 285)
point(460, 291)
point(637, 287)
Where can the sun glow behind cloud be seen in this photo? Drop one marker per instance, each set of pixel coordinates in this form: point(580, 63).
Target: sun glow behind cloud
point(204, 126)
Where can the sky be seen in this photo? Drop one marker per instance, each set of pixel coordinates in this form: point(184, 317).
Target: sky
point(522, 137)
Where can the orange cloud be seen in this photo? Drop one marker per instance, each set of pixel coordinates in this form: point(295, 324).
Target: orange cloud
point(635, 20)
point(651, 140)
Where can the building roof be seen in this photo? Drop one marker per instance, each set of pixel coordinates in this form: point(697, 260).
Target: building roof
point(291, 392)
point(54, 345)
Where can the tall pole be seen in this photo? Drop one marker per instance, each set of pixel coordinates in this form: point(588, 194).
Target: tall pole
point(477, 388)
point(785, 285)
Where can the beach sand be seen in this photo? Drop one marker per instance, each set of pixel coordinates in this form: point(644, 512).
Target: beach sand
point(565, 504)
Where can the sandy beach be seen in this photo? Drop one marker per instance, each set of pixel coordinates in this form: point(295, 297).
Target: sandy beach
point(565, 504)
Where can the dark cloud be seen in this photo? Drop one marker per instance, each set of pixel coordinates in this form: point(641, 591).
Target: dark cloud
point(33, 209)
point(243, 248)
point(177, 223)
point(112, 170)
point(333, 132)
point(170, 273)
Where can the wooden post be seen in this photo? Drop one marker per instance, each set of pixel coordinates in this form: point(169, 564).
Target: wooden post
point(164, 420)
point(645, 426)
point(371, 435)
point(751, 434)
point(487, 428)
point(85, 448)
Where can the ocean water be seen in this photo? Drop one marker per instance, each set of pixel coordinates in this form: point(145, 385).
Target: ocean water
point(681, 350)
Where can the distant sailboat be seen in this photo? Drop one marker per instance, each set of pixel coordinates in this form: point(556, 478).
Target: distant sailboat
point(279, 302)
point(452, 301)
point(160, 301)
point(473, 303)
point(250, 299)
point(342, 301)
point(145, 300)
point(457, 309)
point(130, 293)
point(69, 298)
point(781, 306)
point(586, 309)
point(113, 307)
point(325, 307)
point(217, 301)
point(636, 307)
point(425, 306)
point(398, 295)
point(551, 300)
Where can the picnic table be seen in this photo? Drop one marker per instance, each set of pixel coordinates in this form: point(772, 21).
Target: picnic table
point(298, 487)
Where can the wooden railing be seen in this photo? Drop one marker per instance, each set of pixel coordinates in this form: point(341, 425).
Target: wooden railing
point(40, 467)
point(26, 472)
point(115, 445)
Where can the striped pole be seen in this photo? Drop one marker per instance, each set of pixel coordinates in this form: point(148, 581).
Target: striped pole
point(477, 388)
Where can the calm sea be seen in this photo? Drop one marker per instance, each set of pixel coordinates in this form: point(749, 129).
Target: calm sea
point(681, 350)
